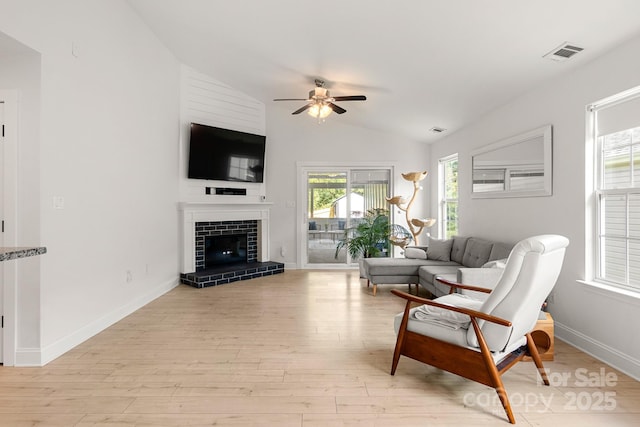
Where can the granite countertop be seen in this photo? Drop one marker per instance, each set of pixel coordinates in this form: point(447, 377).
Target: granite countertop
point(13, 253)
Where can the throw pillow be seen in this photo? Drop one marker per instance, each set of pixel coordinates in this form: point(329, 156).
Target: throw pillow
point(439, 250)
point(497, 263)
point(415, 253)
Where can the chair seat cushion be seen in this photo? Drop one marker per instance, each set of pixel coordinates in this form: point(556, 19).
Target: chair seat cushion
point(440, 326)
point(448, 316)
point(453, 336)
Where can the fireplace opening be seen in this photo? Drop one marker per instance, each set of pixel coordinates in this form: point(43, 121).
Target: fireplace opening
point(225, 250)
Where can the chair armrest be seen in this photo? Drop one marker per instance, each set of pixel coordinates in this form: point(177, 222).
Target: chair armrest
point(471, 313)
point(456, 285)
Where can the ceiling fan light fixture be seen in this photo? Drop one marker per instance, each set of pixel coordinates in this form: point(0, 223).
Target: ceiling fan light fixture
point(320, 104)
point(319, 92)
point(319, 111)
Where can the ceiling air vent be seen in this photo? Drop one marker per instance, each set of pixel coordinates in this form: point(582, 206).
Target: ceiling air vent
point(563, 52)
point(436, 129)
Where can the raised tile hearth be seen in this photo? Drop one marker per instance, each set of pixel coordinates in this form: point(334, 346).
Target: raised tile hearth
point(222, 275)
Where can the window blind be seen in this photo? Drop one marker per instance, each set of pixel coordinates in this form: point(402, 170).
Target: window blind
point(617, 116)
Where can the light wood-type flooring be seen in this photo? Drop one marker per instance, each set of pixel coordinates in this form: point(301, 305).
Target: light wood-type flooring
point(303, 348)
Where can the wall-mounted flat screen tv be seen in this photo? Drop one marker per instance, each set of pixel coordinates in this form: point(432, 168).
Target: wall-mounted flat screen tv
point(225, 155)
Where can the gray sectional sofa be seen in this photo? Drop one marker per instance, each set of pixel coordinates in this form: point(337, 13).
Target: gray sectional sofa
point(458, 259)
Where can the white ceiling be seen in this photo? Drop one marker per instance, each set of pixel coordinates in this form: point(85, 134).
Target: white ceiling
point(421, 63)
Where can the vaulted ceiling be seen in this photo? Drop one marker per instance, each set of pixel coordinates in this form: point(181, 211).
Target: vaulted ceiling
point(421, 63)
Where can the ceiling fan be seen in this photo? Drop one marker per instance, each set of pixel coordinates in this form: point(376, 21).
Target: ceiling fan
point(320, 103)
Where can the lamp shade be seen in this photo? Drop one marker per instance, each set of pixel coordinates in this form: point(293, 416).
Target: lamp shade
point(319, 110)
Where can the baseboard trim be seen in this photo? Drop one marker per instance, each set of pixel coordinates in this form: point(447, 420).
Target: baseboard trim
point(35, 357)
point(609, 355)
point(28, 357)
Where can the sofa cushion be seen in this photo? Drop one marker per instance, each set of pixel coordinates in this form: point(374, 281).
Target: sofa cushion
point(439, 250)
point(500, 251)
point(457, 250)
point(428, 273)
point(393, 266)
point(477, 252)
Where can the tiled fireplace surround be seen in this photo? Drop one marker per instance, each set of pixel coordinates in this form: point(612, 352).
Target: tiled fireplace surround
point(202, 219)
point(221, 228)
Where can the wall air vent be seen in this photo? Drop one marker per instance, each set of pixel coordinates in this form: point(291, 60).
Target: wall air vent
point(436, 129)
point(563, 52)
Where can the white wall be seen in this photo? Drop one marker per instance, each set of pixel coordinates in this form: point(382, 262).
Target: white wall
point(207, 101)
point(597, 321)
point(300, 138)
point(108, 146)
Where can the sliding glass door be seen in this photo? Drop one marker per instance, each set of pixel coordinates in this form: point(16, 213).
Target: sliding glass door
point(337, 199)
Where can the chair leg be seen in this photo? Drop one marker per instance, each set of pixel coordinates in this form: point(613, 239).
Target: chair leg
point(400, 340)
point(504, 399)
point(533, 351)
point(368, 282)
point(375, 289)
point(493, 372)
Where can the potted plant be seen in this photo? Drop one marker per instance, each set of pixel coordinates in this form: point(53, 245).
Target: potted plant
point(370, 236)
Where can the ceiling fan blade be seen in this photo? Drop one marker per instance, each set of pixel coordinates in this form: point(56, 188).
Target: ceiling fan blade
point(291, 99)
point(350, 98)
point(337, 109)
point(300, 110)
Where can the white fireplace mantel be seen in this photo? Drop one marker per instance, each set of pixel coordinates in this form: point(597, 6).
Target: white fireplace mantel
point(193, 212)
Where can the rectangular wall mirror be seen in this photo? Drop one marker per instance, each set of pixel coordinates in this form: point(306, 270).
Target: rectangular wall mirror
point(519, 166)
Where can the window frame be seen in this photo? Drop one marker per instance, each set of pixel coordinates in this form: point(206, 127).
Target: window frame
point(443, 164)
point(596, 193)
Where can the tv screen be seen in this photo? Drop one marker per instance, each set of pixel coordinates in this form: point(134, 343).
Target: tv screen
point(225, 155)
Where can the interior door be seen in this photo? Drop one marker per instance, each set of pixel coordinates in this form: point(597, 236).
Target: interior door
point(2, 230)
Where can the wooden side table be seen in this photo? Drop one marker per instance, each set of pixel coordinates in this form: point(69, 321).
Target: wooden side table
point(542, 335)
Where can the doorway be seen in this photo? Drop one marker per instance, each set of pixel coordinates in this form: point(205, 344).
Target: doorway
point(335, 200)
point(2, 231)
point(8, 220)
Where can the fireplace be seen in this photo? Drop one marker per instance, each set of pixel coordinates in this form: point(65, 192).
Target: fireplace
point(228, 234)
point(226, 249)
point(203, 221)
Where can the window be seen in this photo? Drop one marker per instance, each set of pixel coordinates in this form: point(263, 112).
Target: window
point(448, 192)
point(616, 136)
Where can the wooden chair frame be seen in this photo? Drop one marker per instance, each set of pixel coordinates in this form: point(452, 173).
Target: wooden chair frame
point(475, 365)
